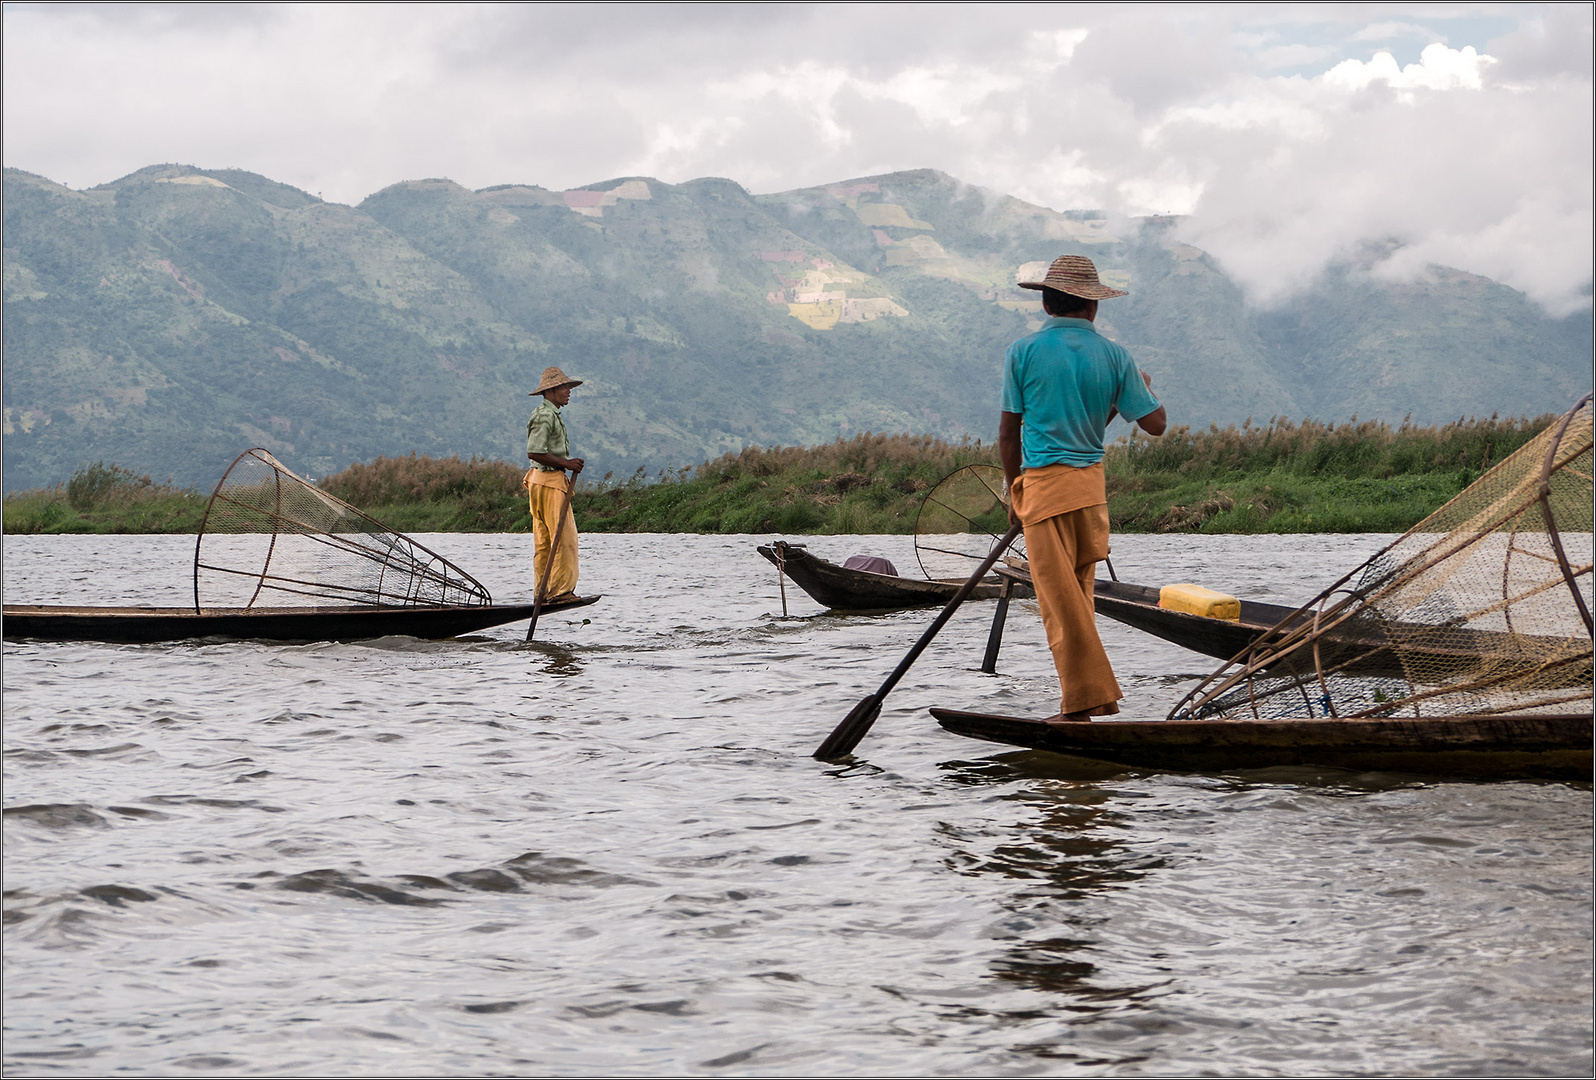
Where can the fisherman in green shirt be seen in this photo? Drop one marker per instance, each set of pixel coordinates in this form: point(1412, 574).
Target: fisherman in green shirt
point(549, 448)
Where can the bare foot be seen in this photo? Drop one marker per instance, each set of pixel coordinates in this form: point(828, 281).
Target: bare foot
point(1069, 718)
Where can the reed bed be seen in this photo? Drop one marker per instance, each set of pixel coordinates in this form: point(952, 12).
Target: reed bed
point(1306, 476)
point(412, 493)
point(1284, 476)
point(101, 498)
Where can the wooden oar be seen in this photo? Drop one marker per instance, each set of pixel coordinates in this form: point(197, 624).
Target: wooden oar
point(554, 546)
point(854, 726)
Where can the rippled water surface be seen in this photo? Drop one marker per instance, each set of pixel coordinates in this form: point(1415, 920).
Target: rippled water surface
point(609, 852)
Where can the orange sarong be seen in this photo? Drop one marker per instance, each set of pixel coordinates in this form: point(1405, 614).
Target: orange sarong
point(545, 495)
point(1065, 512)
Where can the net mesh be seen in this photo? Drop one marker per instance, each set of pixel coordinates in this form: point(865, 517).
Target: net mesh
point(959, 522)
point(272, 539)
point(1482, 608)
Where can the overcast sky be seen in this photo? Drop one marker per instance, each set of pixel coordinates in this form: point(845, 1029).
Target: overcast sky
point(1291, 135)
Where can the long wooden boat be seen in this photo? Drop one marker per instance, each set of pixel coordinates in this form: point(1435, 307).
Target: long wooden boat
point(1496, 747)
point(842, 589)
point(1137, 606)
point(40, 622)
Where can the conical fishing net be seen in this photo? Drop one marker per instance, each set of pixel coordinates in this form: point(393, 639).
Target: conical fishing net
point(1482, 608)
point(959, 522)
point(272, 539)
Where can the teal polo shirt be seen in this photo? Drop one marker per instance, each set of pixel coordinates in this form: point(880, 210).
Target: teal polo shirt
point(1063, 380)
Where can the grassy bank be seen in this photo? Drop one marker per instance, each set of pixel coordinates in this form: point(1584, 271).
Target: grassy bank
point(1283, 477)
point(1310, 477)
point(103, 498)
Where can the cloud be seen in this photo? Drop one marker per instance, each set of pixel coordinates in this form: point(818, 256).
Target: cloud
point(1426, 159)
point(1439, 68)
point(1154, 63)
point(1287, 142)
point(1387, 31)
point(1294, 55)
point(1552, 43)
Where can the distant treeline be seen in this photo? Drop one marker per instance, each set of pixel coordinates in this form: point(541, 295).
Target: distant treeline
point(1279, 477)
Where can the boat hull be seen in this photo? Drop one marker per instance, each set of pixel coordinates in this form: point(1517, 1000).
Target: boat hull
point(144, 625)
point(1487, 747)
point(1137, 606)
point(841, 589)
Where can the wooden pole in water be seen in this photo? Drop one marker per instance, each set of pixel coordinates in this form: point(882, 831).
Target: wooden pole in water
point(994, 640)
point(780, 549)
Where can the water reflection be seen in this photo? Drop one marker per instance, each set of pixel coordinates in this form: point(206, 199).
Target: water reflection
point(1070, 846)
point(554, 660)
point(1019, 765)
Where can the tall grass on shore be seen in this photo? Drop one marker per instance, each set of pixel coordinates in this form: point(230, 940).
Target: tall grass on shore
point(101, 498)
point(867, 484)
point(1287, 477)
point(425, 494)
point(1282, 477)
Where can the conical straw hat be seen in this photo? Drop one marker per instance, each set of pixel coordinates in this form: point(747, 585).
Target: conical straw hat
point(554, 378)
point(1074, 274)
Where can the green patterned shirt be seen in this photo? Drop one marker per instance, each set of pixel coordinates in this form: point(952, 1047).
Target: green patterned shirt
point(545, 434)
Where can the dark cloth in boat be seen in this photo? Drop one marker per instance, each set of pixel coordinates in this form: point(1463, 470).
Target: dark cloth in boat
point(874, 564)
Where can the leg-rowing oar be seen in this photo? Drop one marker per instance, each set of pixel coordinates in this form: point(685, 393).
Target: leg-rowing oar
point(554, 546)
point(854, 726)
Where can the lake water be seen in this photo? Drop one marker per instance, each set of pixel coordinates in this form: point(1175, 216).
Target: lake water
point(609, 853)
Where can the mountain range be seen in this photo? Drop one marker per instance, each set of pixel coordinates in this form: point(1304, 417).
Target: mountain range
point(170, 319)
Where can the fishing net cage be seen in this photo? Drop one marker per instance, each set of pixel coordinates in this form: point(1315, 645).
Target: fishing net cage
point(960, 521)
point(271, 539)
point(1483, 608)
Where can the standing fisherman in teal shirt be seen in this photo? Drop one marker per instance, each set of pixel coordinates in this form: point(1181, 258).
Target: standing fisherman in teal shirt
point(1061, 387)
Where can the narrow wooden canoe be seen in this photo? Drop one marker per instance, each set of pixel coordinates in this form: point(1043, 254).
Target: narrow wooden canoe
point(842, 589)
point(1494, 747)
point(1137, 606)
point(1356, 651)
point(139, 625)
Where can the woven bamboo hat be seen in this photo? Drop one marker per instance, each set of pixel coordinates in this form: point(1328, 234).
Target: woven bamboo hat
point(553, 379)
point(1074, 274)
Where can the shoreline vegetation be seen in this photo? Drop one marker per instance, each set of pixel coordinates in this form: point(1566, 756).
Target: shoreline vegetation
point(1283, 477)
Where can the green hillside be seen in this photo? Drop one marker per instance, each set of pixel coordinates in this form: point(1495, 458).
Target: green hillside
point(170, 319)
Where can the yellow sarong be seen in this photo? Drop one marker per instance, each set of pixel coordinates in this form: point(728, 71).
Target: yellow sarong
point(545, 495)
point(1065, 512)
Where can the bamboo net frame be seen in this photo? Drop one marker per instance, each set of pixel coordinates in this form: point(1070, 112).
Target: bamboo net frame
point(270, 538)
point(1482, 608)
point(959, 522)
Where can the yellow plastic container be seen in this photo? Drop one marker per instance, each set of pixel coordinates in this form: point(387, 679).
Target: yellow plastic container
point(1196, 600)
